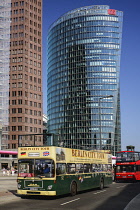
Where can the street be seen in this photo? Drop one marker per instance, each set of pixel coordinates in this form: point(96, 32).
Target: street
point(114, 197)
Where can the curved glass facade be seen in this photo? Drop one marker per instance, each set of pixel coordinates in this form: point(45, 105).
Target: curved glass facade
point(84, 48)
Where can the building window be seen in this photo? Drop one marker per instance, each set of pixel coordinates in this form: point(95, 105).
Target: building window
point(35, 121)
point(13, 137)
point(35, 112)
point(39, 130)
point(19, 76)
point(14, 68)
point(26, 94)
point(14, 85)
point(19, 128)
point(13, 102)
point(20, 84)
point(13, 93)
point(19, 93)
point(35, 130)
point(13, 119)
point(13, 128)
point(13, 146)
point(13, 110)
point(19, 110)
point(20, 67)
point(39, 105)
point(35, 104)
point(14, 76)
point(19, 119)
point(20, 101)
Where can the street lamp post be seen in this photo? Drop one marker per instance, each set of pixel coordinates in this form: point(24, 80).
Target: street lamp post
point(109, 96)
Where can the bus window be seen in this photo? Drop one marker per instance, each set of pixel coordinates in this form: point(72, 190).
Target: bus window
point(96, 167)
point(100, 167)
point(93, 167)
point(86, 168)
point(71, 169)
point(109, 167)
point(25, 168)
point(105, 167)
point(124, 169)
point(137, 168)
point(44, 168)
point(136, 156)
point(79, 168)
point(60, 168)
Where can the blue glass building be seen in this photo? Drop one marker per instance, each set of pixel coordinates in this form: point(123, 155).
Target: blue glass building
point(84, 47)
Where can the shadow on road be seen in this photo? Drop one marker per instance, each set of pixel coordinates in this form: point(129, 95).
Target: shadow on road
point(122, 199)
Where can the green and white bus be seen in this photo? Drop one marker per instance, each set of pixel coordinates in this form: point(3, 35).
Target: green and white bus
point(52, 171)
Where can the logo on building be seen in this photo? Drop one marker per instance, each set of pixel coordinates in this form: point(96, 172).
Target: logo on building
point(111, 11)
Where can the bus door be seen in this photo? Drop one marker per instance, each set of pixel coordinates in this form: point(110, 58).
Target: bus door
point(137, 172)
point(61, 178)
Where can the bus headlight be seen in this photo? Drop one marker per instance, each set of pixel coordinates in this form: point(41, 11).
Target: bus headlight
point(49, 187)
point(130, 175)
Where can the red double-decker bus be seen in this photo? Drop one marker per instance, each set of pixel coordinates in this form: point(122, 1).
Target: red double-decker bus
point(127, 165)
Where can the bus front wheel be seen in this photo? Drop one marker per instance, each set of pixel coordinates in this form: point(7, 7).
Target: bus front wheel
point(73, 190)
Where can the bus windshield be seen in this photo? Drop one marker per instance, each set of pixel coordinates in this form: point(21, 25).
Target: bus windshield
point(36, 168)
point(125, 169)
point(127, 157)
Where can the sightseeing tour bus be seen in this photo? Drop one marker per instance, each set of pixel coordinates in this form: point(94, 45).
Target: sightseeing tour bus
point(127, 165)
point(52, 170)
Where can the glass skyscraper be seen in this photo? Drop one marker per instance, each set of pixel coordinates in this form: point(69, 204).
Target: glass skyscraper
point(84, 47)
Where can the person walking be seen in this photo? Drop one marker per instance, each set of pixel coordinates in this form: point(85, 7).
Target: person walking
point(4, 171)
point(13, 171)
point(8, 171)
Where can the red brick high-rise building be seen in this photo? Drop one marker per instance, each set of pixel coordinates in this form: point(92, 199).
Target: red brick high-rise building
point(25, 86)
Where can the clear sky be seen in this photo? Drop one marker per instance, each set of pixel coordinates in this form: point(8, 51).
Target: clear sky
point(130, 57)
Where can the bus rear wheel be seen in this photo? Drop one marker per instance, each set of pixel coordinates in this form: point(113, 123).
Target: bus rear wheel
point(73, 189)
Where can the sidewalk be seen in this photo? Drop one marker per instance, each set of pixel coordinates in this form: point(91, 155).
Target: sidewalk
point(8, 188)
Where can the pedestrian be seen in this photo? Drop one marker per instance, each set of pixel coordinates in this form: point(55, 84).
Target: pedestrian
point(13, 171)
point(8, 171)
point(4, 171)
